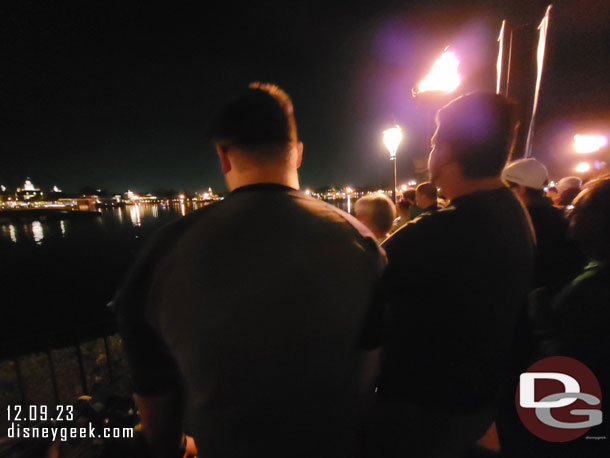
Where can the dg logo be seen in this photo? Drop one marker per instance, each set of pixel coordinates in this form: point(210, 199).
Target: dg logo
point(559, 399)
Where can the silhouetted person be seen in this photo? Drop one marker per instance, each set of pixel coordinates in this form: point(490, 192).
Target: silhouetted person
point(580, 314)
point(249, 312)
point(426, 197)
point(567, 188)
point(403, 209)
point(447, 347)
point(557, 260)
point(574, 323)
point(377, 212)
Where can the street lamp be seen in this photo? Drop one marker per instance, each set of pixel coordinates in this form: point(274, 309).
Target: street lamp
point(585, 144)
point(443, 76)
point(391, 139)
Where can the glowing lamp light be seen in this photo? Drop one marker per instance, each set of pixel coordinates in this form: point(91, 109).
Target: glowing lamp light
point(443, 76)
point(583, 167)
point(348, 190)
point(585, 144)
point(392, 138)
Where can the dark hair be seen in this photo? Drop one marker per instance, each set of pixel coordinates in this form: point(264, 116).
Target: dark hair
point(534, 193)
point(590, 219)
point(567, 196)
point(259, 121)
point(409, 195)
point(479, 129)
point(428, 190)
point(404, 203)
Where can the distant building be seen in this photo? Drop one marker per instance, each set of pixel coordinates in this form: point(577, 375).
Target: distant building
point(28, 191)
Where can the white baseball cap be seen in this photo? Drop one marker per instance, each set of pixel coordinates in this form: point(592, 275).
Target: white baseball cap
point(526, 172)
point(569, 182)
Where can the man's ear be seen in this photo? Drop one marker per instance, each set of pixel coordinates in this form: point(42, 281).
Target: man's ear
point(299, 154)
point(225, 162)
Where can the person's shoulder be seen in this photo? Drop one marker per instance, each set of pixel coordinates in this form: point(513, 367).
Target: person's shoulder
point(165, 237)
point(348, 223)
point(425, 225)
point(590, 286)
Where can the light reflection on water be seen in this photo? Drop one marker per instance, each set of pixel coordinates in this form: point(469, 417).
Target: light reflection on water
point(37, 232)
point(133, 217)
point(134, 214)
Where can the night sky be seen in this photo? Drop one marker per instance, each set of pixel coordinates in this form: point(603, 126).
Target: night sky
point(117, 96)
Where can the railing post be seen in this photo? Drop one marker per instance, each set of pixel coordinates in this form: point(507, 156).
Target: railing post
point(19, 379)
point(53, 376)
point(81, 368)
point(107, 348)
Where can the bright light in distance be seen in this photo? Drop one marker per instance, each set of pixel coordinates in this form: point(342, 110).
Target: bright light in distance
point(308, 192)
point(348, 190)
point(584, 144)
point(583, 167)
point(443, 75)
point(412, 183)
point(403, 187)
point(392, 138)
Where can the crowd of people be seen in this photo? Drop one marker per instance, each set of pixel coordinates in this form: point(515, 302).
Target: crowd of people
point(274, 324)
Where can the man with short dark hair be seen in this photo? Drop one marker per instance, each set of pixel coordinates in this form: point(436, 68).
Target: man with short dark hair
point(447, 347)
point(426, 197)
point(250, 312)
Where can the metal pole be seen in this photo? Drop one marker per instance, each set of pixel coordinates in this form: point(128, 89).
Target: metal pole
point(53, 375)
point(510, 54)
point(108, 362)
point(394, 188)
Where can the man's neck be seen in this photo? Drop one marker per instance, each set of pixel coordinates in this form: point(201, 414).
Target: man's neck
point(469, 186)
point(283, 177)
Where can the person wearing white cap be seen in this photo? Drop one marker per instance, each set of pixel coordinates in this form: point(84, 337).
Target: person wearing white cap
point(527, 178)
point(568, 188)
point(557, 260)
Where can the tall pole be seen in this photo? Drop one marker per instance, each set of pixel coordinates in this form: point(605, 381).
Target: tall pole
point(394, 188)
point(543, 27)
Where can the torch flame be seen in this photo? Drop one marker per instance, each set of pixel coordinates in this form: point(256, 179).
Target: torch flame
point(443, 75)
point(589, 143)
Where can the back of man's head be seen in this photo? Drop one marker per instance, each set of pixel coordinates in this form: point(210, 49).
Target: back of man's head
point(477, 130)
point(377, 212)
point(427, 189)
point(259, 122)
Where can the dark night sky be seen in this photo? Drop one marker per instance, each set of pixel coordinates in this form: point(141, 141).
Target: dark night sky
point(117, 95)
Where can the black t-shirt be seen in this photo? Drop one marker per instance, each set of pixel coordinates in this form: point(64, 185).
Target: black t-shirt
point(455, 283)
point(557, 260)
point(256, 305)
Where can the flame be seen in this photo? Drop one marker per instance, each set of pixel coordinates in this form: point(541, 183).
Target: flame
point(443, 75)
point(584, 144)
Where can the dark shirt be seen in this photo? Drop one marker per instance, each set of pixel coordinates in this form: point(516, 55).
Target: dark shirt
point(431, 208)
point(256, 305)
point(580, 322)
point(455, 283)
point(557, 260)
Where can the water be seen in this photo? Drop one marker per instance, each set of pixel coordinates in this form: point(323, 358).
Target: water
point(58, 276)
